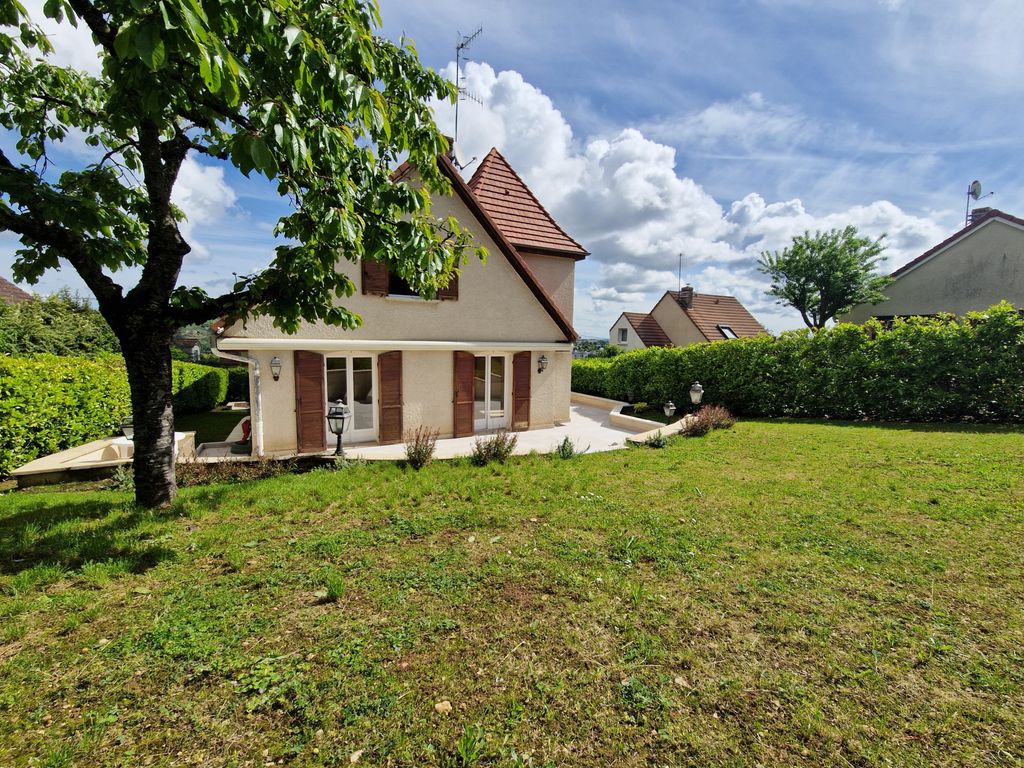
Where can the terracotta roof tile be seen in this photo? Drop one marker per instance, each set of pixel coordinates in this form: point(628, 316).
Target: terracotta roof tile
point(648, 330)
point(709, 311)
point(519, 214)
point(12, 294)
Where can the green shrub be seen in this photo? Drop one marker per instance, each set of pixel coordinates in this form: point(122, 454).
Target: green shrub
point(588, 375)
point(567, 449)
point(923, 369)
point(238, 383)
point(50, 403)
point(498, 447)
point(198, 388)
point(419, 446)
point(657, 440)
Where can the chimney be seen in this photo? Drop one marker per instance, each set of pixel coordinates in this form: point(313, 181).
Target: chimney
point(685, 296)
point(980, 213)
point(451, 147)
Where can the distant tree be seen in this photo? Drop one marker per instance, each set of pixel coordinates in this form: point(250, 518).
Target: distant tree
point(305, 93)
point(592, 347)
point(61, 324)
point(827, 274)
point(609, 350)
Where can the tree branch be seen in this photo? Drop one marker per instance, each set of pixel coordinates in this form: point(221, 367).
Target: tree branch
point(97, 23)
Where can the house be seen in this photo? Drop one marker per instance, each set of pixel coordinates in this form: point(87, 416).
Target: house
point(493, 350)
point(978, 266)
point(684, 317)
point(12, 294)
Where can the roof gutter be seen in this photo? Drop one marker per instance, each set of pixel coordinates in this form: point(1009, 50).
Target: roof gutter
point(257, 393)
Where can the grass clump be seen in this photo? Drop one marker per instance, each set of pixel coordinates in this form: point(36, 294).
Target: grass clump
point(657, 440)
point(419, 446)
point(567, 449)
point(498, 447)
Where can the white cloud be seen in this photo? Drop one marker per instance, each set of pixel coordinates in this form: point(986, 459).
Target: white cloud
point(623, 197)
point(205, 197)
point(73, 46)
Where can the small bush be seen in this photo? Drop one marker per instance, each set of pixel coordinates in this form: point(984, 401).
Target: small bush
point(640, 407)
point(657, 440)
point(717, 416)
point(498, 447)
point(567, 449)
point(419, 446)
point(124, 478)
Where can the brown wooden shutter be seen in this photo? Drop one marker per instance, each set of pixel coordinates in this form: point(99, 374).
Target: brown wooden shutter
point(310, 418)
point(375, 278)
point(389, 370)
point(463, 397)
point(522, 371)
point(451, 291)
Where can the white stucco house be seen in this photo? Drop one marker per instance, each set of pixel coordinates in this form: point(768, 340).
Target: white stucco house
point(684, 317)
point(493, 350)
point(976, 267)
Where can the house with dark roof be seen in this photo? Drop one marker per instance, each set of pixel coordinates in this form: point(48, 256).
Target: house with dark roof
point(684, 317)
point(976, 267)
point(12, 294)
point(491, 350)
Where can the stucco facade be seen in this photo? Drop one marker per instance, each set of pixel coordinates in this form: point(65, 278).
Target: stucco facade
point(499, 311)
point(675, 323)
point(982, 267)
point(632, 339)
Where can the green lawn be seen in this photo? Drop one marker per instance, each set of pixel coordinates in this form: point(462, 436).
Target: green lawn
point(775, 594)
point(210, 427)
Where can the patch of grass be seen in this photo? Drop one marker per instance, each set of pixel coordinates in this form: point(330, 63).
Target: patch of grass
point(780, 593)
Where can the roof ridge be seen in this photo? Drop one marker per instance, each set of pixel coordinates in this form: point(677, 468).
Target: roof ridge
point(990, 215)
point(494, 158)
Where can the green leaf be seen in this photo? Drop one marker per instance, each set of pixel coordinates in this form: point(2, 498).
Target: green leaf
point(150, 46)
point(262, 156)
point(291, 34)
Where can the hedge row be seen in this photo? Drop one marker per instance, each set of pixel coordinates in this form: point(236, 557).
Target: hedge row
point(238, 383)
point(49, 403)
point(923, 369)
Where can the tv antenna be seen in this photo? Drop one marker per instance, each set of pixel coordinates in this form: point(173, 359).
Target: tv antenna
point(974, 193)
point(464, 43)
point(680, 273)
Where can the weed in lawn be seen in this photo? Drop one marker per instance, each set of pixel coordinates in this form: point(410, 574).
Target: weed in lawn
point(567, 449)
point(419, 446)
point(657, 440)
point(334, 586)
point(123, 479)
point(498, 447)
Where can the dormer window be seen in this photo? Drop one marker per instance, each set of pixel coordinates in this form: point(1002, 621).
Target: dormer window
point(623, 335)
point(727, 332)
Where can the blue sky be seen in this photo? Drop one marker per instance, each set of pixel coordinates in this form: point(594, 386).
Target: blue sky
point(716, 129)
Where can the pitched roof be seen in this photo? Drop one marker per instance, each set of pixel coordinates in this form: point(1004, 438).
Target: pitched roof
point(648, 330)
point(513, 207)
point(461, 188)
point(708, 311)
point(12, 294)
point(993, 213)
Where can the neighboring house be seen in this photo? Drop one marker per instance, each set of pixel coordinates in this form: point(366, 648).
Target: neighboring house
point(681, 318)
point(493, 350)
point(12, 294)
point(978, 266)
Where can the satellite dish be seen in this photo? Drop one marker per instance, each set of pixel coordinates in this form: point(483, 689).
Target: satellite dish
point(975, 189)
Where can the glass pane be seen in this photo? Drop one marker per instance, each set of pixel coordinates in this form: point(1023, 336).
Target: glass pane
point(479, 385)
point(337, 385)
point(497, 387)
point(362, 392)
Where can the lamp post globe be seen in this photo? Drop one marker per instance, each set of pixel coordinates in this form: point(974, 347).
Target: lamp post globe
point(696, 393)
point(337, 418)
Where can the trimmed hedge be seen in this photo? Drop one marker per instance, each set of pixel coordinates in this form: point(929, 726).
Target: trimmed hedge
point(198, 388)
point(968, 368)
point(238, 383)
point(50, 403)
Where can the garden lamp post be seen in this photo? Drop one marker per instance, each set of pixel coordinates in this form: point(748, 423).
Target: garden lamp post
point(696, 393)
point(196, 352)
point(669, 408)
point(337, 416)
point(128, 428)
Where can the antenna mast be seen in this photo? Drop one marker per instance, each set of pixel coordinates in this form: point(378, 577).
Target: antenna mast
point(680, 288)
point(974, 191)
point(463, 45)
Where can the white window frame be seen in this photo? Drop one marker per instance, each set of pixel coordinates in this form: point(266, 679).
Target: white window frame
point(623, 335)
point(728, 332)
point(352, 434)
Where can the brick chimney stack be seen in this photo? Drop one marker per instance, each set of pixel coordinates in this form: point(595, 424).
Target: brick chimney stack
point(685, 298)
point(979, 213)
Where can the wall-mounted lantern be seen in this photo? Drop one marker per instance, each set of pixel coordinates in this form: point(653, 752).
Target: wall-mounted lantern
point(542, 364)
point(275, 367)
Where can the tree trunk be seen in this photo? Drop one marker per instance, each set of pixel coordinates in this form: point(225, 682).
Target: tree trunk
point(147, 358)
